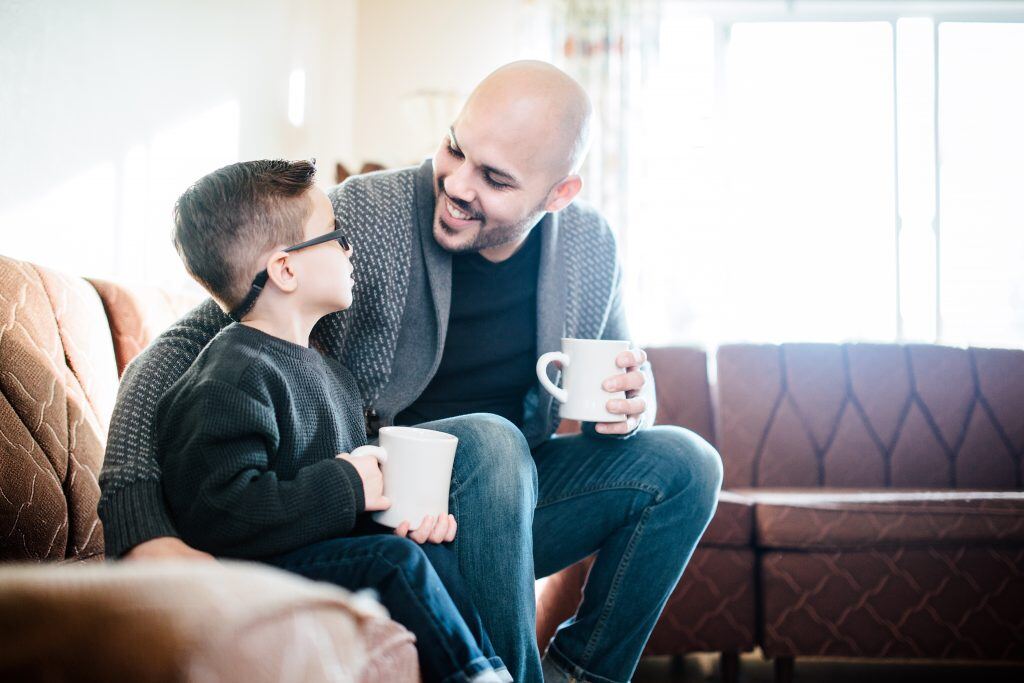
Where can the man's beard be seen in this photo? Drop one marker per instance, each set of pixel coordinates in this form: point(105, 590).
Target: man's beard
point(487, 236)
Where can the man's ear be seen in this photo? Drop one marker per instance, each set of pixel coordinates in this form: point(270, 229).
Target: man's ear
point(563, 193)
point(280, 272)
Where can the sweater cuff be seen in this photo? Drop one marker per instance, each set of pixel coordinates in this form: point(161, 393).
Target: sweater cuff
point(132, 515)
point(356, 482)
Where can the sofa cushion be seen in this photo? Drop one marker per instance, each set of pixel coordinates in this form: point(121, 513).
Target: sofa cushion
point(138, 314)
point(58, 381)
point(684, 394)
point(937, 603)
point(872, 416)
point(733, 523)
point(835, 518)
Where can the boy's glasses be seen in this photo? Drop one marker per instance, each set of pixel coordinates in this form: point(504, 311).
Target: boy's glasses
point(260, 281)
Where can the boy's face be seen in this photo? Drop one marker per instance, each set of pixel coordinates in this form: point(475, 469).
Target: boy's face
point(324, 270)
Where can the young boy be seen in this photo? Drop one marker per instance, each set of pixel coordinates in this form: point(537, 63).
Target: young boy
point(255, 438)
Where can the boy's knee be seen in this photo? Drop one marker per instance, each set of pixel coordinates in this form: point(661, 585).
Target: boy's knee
point(402, 552)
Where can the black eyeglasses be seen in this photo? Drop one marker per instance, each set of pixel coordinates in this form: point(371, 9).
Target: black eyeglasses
point(260, 281)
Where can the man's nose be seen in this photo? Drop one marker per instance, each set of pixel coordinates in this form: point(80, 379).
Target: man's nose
point(458, 184)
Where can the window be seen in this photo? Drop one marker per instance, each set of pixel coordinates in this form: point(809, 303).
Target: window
point(830, 172)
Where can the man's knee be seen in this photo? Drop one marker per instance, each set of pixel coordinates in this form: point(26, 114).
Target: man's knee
point(493, 460)
point(687, 464)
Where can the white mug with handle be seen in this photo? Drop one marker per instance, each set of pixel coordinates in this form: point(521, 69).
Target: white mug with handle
point(586, 364)
point(417, 467)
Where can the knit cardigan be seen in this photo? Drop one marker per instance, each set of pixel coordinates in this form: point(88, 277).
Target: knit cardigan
point(391, 338)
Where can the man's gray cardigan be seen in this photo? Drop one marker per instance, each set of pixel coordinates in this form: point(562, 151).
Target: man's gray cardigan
point(391, 339)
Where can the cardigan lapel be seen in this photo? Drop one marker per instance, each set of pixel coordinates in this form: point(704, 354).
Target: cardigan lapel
point(438, 262)
point(550, 299)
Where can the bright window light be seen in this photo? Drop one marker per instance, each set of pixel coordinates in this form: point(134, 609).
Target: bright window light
point(774, 220)
point(981, 139)
point(915, 125)
point(828, 178)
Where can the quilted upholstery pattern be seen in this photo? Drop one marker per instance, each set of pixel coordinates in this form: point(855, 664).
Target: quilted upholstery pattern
point(950, 603)
point(733, 523)
point(886, 482)
point(58, 379)
point(827, 518)
point(872, 415)
point(712, 608)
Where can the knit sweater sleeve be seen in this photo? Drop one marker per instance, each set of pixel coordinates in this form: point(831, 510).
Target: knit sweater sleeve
point(221, 488)
point(131, 503)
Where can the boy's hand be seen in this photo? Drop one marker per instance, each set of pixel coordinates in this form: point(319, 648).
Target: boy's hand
point(166, 548)
point(373, 481)
point(441, 532)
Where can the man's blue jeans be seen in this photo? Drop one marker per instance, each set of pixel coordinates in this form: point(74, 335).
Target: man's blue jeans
point(642, 501)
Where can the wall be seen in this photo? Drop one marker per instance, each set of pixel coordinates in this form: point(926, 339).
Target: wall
point(417, 62)
point(109, 109)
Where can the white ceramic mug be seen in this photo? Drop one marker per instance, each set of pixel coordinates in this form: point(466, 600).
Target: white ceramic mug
point(417, 468)
point(586, 364)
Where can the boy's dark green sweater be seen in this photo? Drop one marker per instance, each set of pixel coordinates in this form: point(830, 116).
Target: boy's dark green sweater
point(247, 439)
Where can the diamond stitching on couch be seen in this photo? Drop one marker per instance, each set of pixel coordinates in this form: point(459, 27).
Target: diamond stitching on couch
point(949, 426)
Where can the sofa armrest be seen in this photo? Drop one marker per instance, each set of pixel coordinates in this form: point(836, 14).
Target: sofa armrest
point(167, 621)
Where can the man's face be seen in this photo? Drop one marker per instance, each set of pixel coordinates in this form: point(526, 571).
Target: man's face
point(488, 193)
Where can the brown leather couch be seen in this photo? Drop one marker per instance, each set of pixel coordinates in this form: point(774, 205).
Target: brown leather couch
point(63, 342)
point(872, 505)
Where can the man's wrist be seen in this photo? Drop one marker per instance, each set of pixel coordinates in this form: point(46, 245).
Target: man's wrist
point(132, 515)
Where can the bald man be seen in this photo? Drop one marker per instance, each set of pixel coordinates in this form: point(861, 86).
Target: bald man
point(468, 268)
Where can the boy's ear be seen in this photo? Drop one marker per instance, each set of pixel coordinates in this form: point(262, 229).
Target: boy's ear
point(280, 272)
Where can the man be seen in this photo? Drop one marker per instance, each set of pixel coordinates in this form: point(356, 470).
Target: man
point(477, 262)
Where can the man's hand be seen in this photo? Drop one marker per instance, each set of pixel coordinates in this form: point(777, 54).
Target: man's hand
point(441, 532)
point(373, 480)
point(632, 382)
point(166, 548)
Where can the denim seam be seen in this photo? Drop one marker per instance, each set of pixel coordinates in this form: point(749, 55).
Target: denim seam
point(401, 574)
point(456, 511)
point(609, 602)
point(462, 676)
point(604, 486)
point(575, 672)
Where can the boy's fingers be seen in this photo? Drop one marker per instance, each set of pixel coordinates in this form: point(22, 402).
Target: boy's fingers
point(423, 531)
point(403, 529)
point(440, 530)
point(451, 529)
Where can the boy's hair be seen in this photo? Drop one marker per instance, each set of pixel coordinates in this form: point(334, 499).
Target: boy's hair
point(228, 220)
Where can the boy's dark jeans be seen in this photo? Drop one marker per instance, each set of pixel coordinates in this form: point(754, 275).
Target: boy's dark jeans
point(419, 585)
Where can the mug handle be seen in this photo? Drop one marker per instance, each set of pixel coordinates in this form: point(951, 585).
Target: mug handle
point(560, 394)
point(372, 451)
